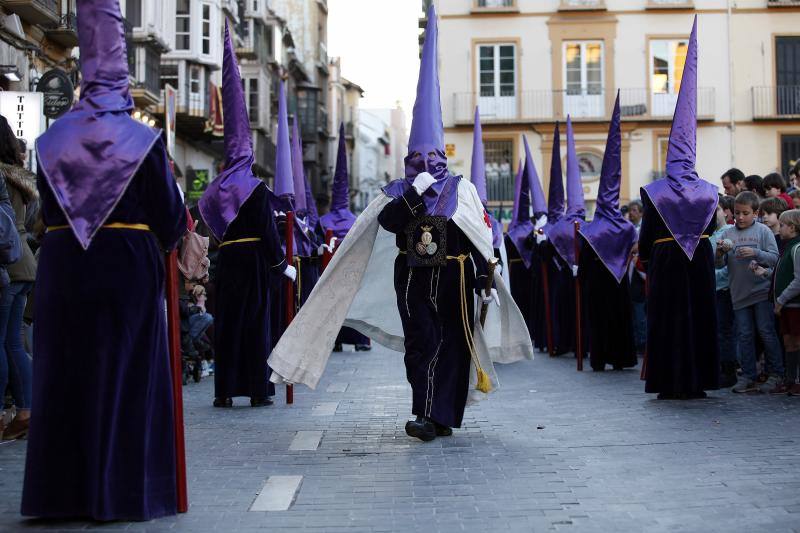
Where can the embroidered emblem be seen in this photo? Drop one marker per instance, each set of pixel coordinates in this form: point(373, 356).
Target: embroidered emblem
point(426, 241)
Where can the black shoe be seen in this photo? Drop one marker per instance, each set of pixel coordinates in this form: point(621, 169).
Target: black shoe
point(699, 395)
point(223, 402)
point(337, 347)
point(618, 368)
point(599, 368)
point(667, 396)
point(363, 347)
point(260, 402)
point(421, 428)
point(442, 431)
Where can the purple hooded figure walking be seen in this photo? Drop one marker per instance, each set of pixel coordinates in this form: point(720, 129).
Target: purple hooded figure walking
point(339, 220)
point(236, 207)
point(682, 349)
point(607, 242)
point(111, 205)
point(478, 177)
point(437, 264)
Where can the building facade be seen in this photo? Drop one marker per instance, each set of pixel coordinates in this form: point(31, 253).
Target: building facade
point(343, 103)
point(529, 63)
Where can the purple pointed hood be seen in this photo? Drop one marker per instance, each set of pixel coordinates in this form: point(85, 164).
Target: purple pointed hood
point(223, 198)
point(555, 199)
point(298, 174)
point(426, 141)
point(562, 235)
point(538, 203)
point(284, 180)
point(89, 156)
point(311, 205)
point(521, 225)
point(339, 219)
point(478, 177)
point(609, 234)
point(685, 202)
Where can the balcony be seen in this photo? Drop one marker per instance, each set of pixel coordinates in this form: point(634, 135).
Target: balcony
point(549, 106)
point(582, 5)
point(670, 4)
point(776, 103)
point(34, 11)
point(66, 31)
point(494, 6)
point(783, 3)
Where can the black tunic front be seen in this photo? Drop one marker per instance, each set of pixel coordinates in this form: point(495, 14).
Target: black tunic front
point(682, 350)
point(608, 306)
point(522, 283)
point(429, 301)
point(242, 334)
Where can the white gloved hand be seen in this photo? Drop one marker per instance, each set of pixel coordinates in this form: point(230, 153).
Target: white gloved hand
point(575, 271)
point(422, 182)
point(279, 213)
point(290, 272)
point(540, 223)
point(540, 237)
point(498, 268)
point(322, 248)
point(492, 297)
point(332, 245)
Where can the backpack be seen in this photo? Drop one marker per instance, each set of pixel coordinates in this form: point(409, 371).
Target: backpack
point(193, 259)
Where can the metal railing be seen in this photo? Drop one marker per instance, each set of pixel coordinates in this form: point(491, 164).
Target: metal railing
point(782, 3)
point(670, 3)
point(548, 105)
point(776, 102)
point(582, 4)
point(483, 4)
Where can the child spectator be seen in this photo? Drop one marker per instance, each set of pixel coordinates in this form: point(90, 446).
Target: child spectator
point(775, 187)
point(770, 210)
point(726, 202)
point(795, 196)
point(754, 183)
point(745, 242)
point(787, 291)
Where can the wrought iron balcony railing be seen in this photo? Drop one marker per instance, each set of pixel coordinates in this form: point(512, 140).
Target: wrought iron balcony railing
point(782, 102)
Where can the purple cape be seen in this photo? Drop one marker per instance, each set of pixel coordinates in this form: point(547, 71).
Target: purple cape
point(339, 219)
point(609, 234)
point(223, 198)
point(685, 202)
point(89, 174)
point(562, 234)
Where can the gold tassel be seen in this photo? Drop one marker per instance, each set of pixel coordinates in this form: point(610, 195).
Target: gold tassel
point(484, 384)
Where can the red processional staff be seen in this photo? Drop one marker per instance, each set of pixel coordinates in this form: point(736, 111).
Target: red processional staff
point(327, 255)
point(548, 320)
point(578, 313)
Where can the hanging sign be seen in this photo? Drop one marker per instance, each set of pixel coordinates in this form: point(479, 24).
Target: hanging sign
point(57, 91)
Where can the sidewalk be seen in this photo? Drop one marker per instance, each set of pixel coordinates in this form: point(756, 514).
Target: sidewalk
point(553, 450)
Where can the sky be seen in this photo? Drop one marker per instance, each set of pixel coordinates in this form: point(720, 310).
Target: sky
point(378, 43)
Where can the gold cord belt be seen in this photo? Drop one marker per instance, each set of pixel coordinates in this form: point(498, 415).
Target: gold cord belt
point(483, 383)
point(515, 260)
point(113, 225)
point(237, 241)
point(670, 239)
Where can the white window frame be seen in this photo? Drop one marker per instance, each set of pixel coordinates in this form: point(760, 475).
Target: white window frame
point(584, 103)
point(497, 105)
point(205, 37)
point(662, 103)
point(179, 34)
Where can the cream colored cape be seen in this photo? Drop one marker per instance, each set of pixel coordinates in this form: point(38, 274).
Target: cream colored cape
point(357, 290)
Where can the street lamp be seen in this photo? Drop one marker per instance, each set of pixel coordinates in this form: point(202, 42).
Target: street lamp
point(11, 72)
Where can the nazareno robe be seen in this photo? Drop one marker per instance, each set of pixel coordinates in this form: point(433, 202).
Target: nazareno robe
point(437, 356)
point(242, 330)
point(562, 299)
point(538, 318)
point(608, 306)
point(682, 349)
point(521, 283)
point(101, 442)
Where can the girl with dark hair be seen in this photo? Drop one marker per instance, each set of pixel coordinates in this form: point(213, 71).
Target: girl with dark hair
point(14, 296)
point(755, 183)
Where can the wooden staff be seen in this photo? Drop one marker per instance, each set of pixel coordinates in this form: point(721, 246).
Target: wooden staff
point(328, 254)
point(489, 281)
point(176, 364)
point(290, 288)
point(643, 375)
point(578, 328)
point(548, 319)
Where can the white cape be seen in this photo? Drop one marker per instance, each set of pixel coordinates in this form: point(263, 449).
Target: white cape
point(357, 290)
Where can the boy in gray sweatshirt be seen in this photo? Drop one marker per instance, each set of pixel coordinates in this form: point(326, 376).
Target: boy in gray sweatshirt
point(750, 243)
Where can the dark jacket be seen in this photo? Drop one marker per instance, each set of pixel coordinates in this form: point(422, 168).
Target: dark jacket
point(24, 198)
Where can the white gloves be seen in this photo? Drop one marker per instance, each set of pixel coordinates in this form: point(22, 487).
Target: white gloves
point(290, 272)
point(574, 271)
point(322, 248)
point(422, 182)
point(540, 236)
point(492, 297)
point(279, 213)
point(498, 268)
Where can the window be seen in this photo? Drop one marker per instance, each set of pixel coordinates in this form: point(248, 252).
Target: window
point(251, 90)
point(133, 12)
point(583, 67)
point(169, 75)
point(206, 29)
point(590, 164)
point(152, 68)
point(498, 156)
point(667, 59)
point(787, 74)
point(495, 3)
point(660, 163)
point(183, 24)
point(194, 80)
point(497, 75)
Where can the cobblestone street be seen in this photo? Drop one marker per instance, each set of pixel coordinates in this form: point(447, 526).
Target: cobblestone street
point(553, 450)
